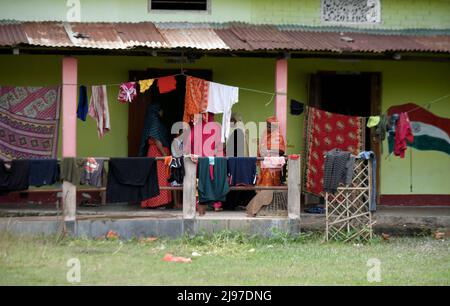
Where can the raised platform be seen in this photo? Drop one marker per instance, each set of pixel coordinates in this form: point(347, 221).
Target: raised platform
point(132, 222)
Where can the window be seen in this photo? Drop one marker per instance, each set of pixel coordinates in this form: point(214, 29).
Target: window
point(179, 5)
point(351, 11)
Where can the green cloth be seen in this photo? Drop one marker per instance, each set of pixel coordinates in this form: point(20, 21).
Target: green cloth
point(70, 170)
point(212, 190)
point(373, 121)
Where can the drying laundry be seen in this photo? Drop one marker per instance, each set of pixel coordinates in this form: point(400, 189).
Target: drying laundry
point(242, 171)
point(216, 189)
point(145, 85)
point(176, 171)
point(93, 172)
point(403, 134)
point(338, 169)
point(221, 99)
point(167, 84)
point(83, 105)
point(70, 170)
point(325, 131)
point(43, 172)
point(99, 109)
point(373, 121)
point(132, 179)
point(16, 177)
point(196, 98)
point(381, 129)
point(369, 155)
point(29, 120)
point(273, 162)
point(127, 92)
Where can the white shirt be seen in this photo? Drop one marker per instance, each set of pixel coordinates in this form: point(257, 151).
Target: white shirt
point(221, 99)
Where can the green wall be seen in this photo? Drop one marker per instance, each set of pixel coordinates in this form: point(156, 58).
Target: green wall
point(402, 82)
point(395, 14)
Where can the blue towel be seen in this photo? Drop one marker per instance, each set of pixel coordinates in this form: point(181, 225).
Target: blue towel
point(242, 170)
point(83, 106)
point(43, 172)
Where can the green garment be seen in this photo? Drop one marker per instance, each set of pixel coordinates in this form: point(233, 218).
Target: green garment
point(70, 170)
point(212, 190)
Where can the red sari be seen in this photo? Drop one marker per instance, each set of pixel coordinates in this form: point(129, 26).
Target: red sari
point(165, 196)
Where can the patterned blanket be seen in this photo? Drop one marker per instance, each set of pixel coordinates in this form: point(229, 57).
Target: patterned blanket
point(29, 122)
point(325, 131)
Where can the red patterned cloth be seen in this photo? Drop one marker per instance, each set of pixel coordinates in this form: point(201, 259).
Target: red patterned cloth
point(196, 98)
point(165, 196)
point(325, 131)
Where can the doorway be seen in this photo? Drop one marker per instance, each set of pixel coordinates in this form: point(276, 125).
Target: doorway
point(352, 94)
point(172, 103)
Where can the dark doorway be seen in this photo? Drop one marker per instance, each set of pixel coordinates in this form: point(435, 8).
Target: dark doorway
point(172, 103)
point(353, 94)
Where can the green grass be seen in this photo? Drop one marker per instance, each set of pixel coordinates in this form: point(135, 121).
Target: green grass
point(227, 259)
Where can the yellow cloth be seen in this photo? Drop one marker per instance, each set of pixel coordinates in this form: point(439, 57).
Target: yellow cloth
point(145, 84)
point(373, 121)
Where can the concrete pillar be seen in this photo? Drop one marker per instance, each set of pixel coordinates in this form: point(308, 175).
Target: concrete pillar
point(281, 83)
point(69, 136)
point(294, 192)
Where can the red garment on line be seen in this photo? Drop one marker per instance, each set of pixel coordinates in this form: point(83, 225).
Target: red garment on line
point(167, 84)
point(403, 133)
point(165, 196)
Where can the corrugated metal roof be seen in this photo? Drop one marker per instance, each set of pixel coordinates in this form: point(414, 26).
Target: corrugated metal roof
point(200, 38)
point(212, 36)
point(46, 34)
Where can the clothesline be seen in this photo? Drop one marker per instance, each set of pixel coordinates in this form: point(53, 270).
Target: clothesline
point(179, 74)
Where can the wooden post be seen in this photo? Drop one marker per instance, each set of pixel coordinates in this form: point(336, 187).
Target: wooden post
point(69, 137)
point(189, 188)
point(294, 192)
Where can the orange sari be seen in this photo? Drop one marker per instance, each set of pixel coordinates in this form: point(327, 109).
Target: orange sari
point(271, 141)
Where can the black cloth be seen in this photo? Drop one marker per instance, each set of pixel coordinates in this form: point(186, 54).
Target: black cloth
point(43, 172)
point(297, 107)
point(132, 179)
point(338, 168)
point(176, 171)
point(242, 170)
point(15, 178)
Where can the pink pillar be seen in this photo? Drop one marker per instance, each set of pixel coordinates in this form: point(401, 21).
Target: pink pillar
point(69, 107)
point(281, 82)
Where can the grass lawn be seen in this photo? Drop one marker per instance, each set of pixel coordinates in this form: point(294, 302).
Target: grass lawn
point(226, 259)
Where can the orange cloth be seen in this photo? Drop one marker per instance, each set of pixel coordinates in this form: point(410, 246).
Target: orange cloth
point(167, 161)
point(271, 141)
point(196, 99)
point(167, 84)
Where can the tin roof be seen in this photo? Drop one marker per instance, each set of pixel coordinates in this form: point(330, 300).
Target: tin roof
point(226, 36)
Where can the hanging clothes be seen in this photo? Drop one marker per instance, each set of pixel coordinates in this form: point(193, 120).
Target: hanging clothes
point(127, 92)
point(145, 85)
point(99, 109)
point(242, 171)
point(221, 99)
point(273, 162)
point(83, 105)
point(325, 131)
point(338, 168)
point(369, 155)
point(167, 84)
point(131, 179)
point(196, 98)
point(403, 134)
point(237, 142)
point(199, 138)
point(43, 172)
point(176, 171)
point(93, 172)
point(16, 177)
point(373, 121)
point(381, 129)
point(216, 189)
point(70, 170)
